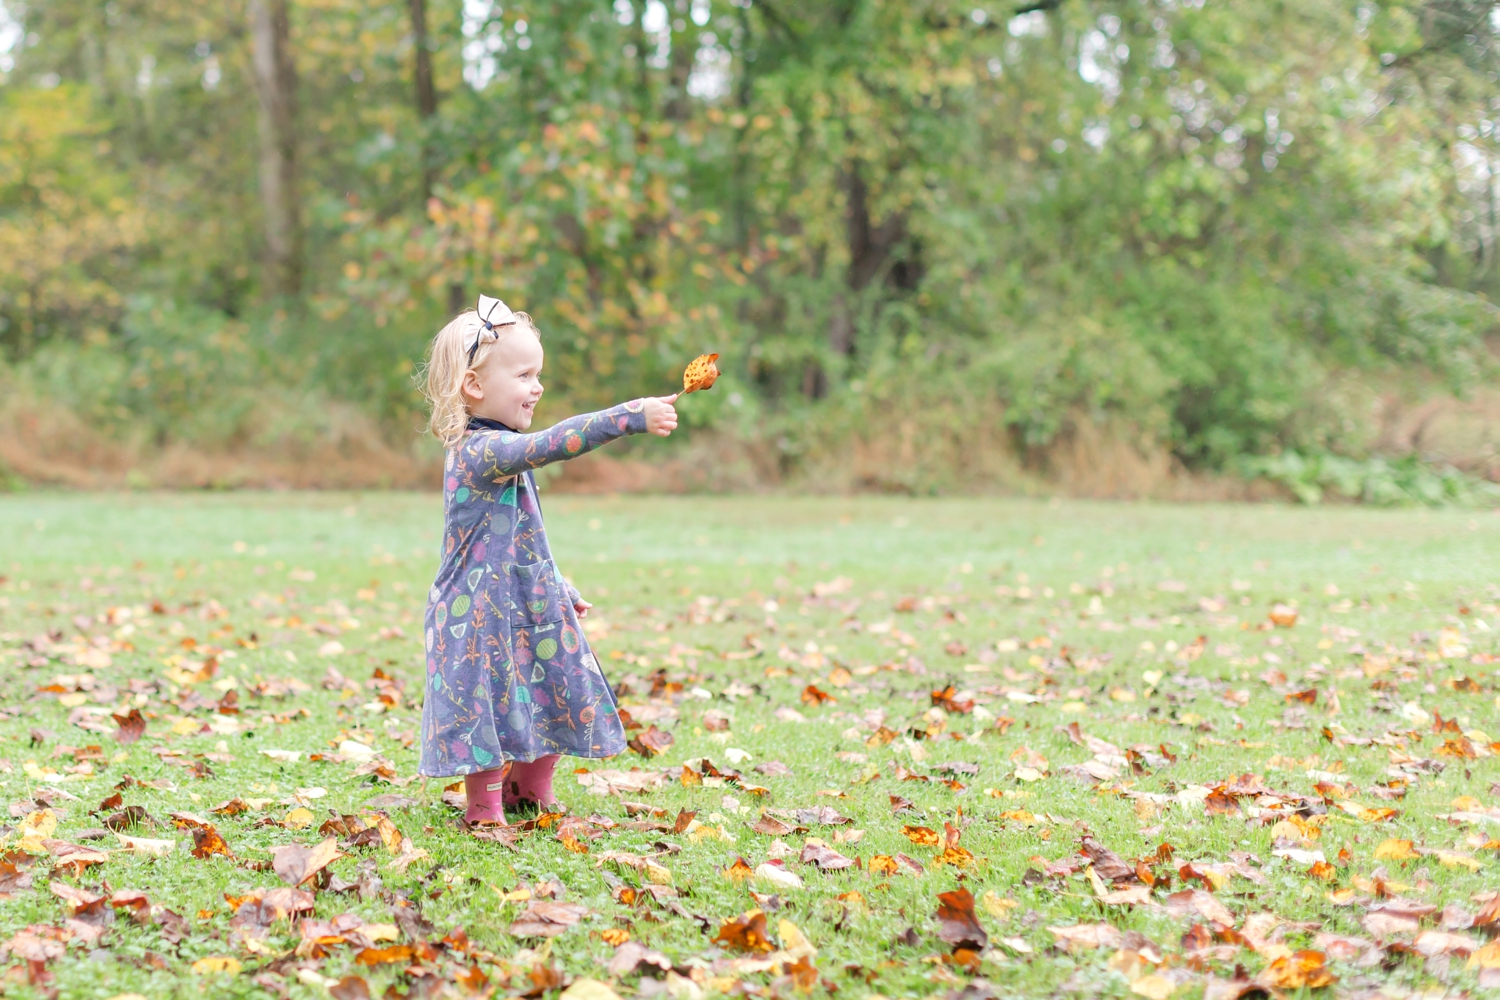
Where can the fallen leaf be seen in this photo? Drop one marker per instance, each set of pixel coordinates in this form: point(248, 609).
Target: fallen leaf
point(207, 843)
point(147, 846)
point(545, 918)
point(746, 933)
point(296, 864)
point(584, 988)
point(132, 727)
point(1302, 969)
point(216, 964)
point(824, 857)
point(957, 924)
point(652, 742)
point(1086, 937)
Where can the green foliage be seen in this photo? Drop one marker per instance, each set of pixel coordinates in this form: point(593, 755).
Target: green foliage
point(1384, 482)
point(1184, 219)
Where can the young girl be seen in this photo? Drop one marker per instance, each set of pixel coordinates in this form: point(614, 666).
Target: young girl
point(511, 682)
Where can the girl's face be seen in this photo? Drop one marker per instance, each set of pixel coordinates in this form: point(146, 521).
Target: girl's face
point(508, 382)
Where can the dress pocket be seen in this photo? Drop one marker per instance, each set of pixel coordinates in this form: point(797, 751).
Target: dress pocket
point(536, 595)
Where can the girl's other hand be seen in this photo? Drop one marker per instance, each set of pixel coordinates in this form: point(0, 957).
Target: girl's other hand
point(661, 416)
point(582, 607)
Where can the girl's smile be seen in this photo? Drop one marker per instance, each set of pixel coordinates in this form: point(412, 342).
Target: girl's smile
point(507, 384)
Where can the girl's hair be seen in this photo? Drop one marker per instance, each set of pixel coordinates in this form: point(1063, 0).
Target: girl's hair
point(447, 363)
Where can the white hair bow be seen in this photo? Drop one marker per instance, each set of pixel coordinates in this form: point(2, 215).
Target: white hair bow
point(492, 314)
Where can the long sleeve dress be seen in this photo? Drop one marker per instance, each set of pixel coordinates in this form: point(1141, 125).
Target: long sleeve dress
point(510, 675)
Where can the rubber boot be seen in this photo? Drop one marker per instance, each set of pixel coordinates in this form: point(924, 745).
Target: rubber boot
point(486, 793)
point(530, 784)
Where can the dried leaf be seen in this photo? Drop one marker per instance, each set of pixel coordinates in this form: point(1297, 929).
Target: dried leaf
point(746, 933)
point(957, 924)
point(296, 864)
point(701, 373)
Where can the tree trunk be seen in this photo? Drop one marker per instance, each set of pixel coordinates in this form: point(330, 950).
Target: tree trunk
point(276, 85)
point(872, 255)
point(427, 101)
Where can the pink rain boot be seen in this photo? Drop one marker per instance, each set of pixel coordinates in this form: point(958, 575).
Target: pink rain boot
point(530, 784)
point(485, 790)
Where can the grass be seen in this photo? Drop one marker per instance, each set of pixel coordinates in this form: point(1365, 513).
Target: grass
point(1044, 614)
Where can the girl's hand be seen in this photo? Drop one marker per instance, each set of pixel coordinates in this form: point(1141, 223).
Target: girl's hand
point(582, 607)
point(661, 417)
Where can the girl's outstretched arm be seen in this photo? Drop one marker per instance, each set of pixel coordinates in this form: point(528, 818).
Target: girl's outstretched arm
point(507, 453)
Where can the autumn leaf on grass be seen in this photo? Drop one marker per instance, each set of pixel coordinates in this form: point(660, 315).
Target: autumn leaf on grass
point(824, 857)
point(771, 826)
point(1086, 937)
point(544, 918)
point(922, 836)
point(814, 695)
point(296, 864)
point(776, 874)
point(739, 871)
point(207, 843)
point(822, 815)
point(746, 933)
point(132, 726)
point(1303, 969)
point(701, 373)
point(957, 924)
point(652, 742)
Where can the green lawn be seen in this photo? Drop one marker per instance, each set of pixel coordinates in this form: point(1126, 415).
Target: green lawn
point(1147, 625)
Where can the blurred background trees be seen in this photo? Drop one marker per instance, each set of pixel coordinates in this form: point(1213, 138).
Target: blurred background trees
point(919, 232)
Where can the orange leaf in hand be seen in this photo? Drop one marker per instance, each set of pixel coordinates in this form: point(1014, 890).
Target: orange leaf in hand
point(700, 374)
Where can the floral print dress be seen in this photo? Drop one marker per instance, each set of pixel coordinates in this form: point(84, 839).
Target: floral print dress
point(510, 675)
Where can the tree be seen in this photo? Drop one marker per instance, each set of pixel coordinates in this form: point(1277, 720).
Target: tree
point(281, 203)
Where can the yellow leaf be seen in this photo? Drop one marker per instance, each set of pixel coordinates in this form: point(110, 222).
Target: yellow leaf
point(1395, 850)
point(215, 964)
point(588, 989)
point(39, 824)
point(997, 905)
point(380, 932)
point(1453, 859)
point(299, 818)
point(1153, 987)
point(657, 874)
point(1487, 957)
point(793, 941)
point(148, 846)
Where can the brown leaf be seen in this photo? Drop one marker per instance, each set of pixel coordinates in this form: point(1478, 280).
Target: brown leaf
point(701, 373)
point(957, 924)
point(207, 843)
point(296, 864)
point(771, 826)
point(350, 988)
point(632, 955)
point(824, 857)
point(746, 933)
point(822, 815)
point(651, 742)
point(1200, 904)
point(132, 726)
point(1086, 937)
point(1107, 863)
point(544, 918)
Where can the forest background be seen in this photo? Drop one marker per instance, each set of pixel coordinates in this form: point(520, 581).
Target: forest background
point(1113, 247)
